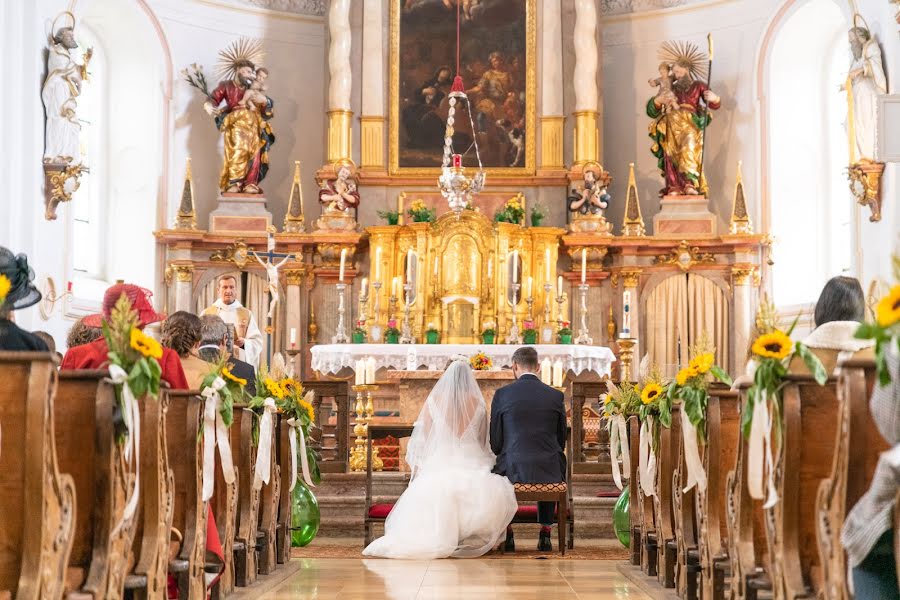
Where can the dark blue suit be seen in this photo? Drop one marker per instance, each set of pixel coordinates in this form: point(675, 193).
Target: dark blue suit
point(528, 435)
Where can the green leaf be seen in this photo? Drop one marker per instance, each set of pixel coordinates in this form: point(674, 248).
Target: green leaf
point(793, 325)
point(812, 363)
point(867, 331)
point(747, 411)
point(721, 375)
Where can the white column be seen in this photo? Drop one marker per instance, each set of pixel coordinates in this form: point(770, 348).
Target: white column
point(551, 59)
point(339, 55)
point(742, 321)
point(586, 55)
point(373, 60)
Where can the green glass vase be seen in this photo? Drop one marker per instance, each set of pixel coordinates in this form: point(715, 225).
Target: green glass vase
point(622, 518)
point(305, 515)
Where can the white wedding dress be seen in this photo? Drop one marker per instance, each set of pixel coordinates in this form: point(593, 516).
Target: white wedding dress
point(454, 505)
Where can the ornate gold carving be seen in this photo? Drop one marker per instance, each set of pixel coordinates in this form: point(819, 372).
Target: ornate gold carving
point(611, 326)
point(330, 254)
point(633, 226)
point(60, 182)
point(587, 136)
point(741, 274)
point(340, 140)
point(372, 142)
point(595, 256)
point(312, 330)
point(187, 216)
point(552, 143)
point(865, 185)
point(626, 355)
point(293, 219)
point(630, 277)
point(740, 221)
point(183, 273)
point(294, 276)
point(685, 257)
point(236, 253)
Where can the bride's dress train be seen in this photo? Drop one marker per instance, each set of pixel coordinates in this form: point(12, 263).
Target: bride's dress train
point(454, 505)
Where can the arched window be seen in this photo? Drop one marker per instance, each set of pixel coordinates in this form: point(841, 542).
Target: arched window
point(811, 209)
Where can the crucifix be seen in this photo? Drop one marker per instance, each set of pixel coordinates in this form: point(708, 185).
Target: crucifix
point(271, 268)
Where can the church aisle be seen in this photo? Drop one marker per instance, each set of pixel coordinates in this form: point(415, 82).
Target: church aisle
point(338, 579)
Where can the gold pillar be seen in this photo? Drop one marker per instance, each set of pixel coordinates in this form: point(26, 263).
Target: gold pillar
point(552, 143)
point(587, 136)
point(372, 143)
point(340, 145)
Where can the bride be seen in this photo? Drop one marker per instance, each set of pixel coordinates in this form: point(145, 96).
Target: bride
point(454, 505)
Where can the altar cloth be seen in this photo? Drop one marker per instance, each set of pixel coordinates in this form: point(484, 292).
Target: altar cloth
point(332, 358)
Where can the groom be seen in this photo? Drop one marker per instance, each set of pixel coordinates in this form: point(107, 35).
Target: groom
point(528, 435)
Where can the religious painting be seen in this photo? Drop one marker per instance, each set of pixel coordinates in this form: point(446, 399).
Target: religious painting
point(497, 65)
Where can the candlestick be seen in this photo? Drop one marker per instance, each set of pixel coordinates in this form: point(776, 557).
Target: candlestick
point(626, 355)
point(375, 329)
point(530, 302)
point(340, 336)
point(343, 263)
point(583, 264)
point(364, 413)
point(559, 301)
point(378, 264)
point(361, 313)
point(584, 336)
point(547, 264)
point(547, 328)
point(514, 337)
point(406, 336)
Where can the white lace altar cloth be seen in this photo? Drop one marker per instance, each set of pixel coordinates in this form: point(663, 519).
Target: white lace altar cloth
point(332, 358)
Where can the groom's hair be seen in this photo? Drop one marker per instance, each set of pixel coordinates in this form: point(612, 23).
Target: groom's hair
point(526, 357)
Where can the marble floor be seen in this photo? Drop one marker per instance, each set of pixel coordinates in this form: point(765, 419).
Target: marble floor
point(333, 579)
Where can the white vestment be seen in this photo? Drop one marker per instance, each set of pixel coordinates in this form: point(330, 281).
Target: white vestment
point(865, 89)
point(245, 326)
point(60, 89)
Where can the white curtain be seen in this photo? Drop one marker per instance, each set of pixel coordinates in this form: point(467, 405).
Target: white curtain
point(709, 315)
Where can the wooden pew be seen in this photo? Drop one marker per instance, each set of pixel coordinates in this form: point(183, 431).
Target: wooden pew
point(687, 556)
point(37, 503)
point(635, 504)
point(339, 393)
point(247, 513)
point(283, 528)
point(224, 508)
point(269, 500)
point(185, 447)
point(663, 508)
point(719, 455)
point(87, 449)
point(857, 446)
point(645, 508)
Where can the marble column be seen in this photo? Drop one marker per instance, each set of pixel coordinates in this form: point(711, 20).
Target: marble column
point(184, 278)
point(631, 279)
point(339, 114)
point(742, 321)
point(552, 119)
point(372, 119)
point(587, 136)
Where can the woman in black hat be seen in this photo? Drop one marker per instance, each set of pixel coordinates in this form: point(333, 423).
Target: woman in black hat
point(22, 294)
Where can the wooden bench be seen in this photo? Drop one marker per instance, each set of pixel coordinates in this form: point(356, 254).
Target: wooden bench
point(85, 407)
point(687, 554)
point(269, 500)
point(719, 455)
point(663, 507)
point(283, 527)
point(37, 503)
point(635, 503)
point(645, 508)
point(185, 445)
point(858, 444)
point(247, 516)
point(224, 509)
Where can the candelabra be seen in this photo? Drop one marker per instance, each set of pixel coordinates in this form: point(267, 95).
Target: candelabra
point(340, 337)
point(375, 330)
point(364, 413)
point(560, 300)
point(584, 336)
point(514, 337)
point(406, 336)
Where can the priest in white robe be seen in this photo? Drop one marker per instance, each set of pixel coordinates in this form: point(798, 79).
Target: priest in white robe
point(248, 339)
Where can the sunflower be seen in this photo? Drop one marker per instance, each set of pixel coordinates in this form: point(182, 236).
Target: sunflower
point(651, 392)
point(5, 285)
point(229, 375)
point(702, 362)
point(686, 373)
point(274, 389)
point(290, 386)
point(145, 344)
point(775, 345)
point(887, 312)
point(303, 404)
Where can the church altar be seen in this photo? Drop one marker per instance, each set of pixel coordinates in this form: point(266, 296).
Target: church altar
point(332, 358)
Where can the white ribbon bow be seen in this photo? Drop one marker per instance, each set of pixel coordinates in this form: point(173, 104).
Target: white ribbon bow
point(293, 430)
point(696, 475)
point(647, 458)
point(618, 447)
point(760, 464)
point(215, 434)
point(132, 416)
point(264, 452)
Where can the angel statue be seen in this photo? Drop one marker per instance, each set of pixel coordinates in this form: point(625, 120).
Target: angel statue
point(271, 271)
point(680, 113)
point(242, 112)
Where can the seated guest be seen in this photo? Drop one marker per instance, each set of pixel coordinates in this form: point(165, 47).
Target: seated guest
point(95, 354)
point(839, 311)
point(80, 334)
point(213, 336)
point(181, 333)
point(17, 291)
point(51, 343)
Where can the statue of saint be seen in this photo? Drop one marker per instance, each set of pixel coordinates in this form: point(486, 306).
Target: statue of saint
point(591, 196)
point(680, 113)
point(340, 195)
point(62, 86)
point(865, 82)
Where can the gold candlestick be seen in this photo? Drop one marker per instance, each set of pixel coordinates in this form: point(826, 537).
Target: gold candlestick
point(626, 355)
point(364, 413)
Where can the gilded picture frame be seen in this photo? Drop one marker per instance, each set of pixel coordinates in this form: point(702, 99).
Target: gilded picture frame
point(485, 46)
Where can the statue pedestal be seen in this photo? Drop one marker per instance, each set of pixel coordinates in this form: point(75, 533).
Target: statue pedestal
point(682, 216)
point(331, 221)
point(590, 223)
point(240, 213)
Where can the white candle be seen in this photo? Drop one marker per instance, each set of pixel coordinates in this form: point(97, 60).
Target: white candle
point(409, 265)
point(378, 264)
point(490, 266)
point(557, 374)
point(547, 264)
point(435, 266)
point(528, 285)
point(395, 282)
point(363, 288)
point(293, 336)
point(583, 264)
point(360, 372)
point(343, 263)
point(559, 287)
point(370, 370)
point(546, 375)
point(515, 263)
point(626, 313)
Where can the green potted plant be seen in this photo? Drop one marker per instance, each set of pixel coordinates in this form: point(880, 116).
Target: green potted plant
point(488, 333)
point(419, 213)
point(512, 212)
point(529, 336)
point(359, 333)
point(392, 334)
point(537, 215)
point(391, 216)
point(565, 333)
point(432, 335)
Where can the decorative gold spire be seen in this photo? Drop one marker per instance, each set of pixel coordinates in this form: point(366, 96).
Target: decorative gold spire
point(187, 217)
point(611, 326)
point(634, 222)
point(740, 220)
point(293, 219)
point(312, 330)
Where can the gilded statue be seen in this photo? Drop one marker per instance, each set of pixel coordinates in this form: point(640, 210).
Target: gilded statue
point(338, 197)
point(681, 113)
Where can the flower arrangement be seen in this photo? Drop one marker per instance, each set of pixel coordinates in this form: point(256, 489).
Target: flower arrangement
point(655, 400)
point(391, 216)
point(392, 327)
point(621, 400)
point(537, 215)
point(231, 392)
point(565, 333)
point(691, 386)
point(432, 335)
point(420, 213)
point(133, 354)
point(529, 335)
point(512, 212)
point(359, 332)
point(481, 362)
point(489, 328)
point(886, 328)
point(432, 328)
point(5, 285)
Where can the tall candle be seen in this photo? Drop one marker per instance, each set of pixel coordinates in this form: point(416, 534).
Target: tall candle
point(293, 336)
point(395, 283)
point(360, 372)
point(546, 375)
point(557, 374)
point(364, 287)
point(409, 265)
point(528, 285)
point(370, 370)
point(435, 266)
point(583, 264)
point(559, 287)
point(547, 265)
point(343, 263)
point(490, 266)
point(626, 313)
point(378, 264)
point(515, 263)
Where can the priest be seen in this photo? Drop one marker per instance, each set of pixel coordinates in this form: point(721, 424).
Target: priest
point(248, 339)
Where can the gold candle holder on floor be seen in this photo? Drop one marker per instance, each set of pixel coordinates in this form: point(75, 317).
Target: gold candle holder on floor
point(364, 410)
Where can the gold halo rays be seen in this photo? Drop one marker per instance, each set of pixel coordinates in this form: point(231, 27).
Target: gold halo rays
point(243, 49)
point(687, 54)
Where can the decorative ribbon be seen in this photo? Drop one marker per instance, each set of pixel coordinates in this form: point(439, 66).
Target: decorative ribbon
point(618, 447)
point(696, 475)
point(304, 461)
point(264, 452)
point(647, 458)
point(215, 434)
point(132, 416)
point(760, 464)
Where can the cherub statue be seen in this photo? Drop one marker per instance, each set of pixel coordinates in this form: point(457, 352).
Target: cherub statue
point(664, 95)
point(591, 196)
point(271, 271)
point(339, 195)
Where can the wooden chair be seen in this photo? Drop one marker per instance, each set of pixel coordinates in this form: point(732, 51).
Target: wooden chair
point(378, 512)
point(183, 425)
point(581, 392)
point(858, 444)
point(87, 448)
point(687, 554)
point(269, 500)
point(37, 503)
point(719, 455)
point(247, 515)
point(635, 504)
point(663, 508)
point(339, 392)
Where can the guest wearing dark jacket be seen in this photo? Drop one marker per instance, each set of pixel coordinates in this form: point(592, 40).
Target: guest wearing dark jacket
point(18, 277)
point(213, 344)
